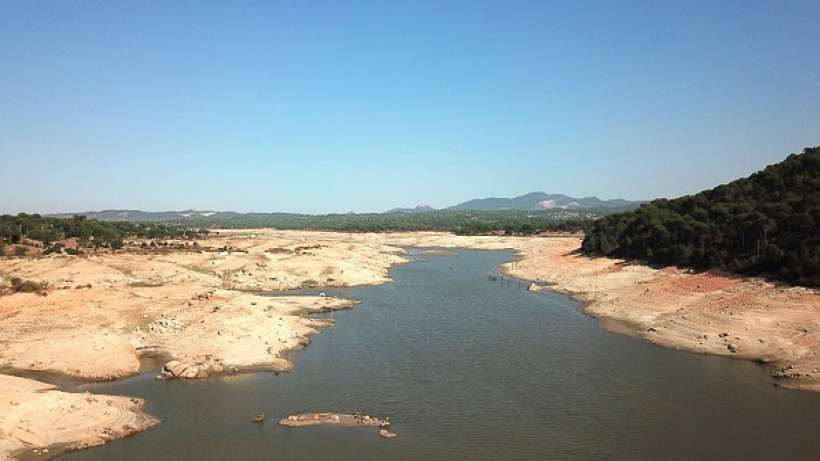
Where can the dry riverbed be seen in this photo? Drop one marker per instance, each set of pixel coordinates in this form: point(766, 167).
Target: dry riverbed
point(204, 314)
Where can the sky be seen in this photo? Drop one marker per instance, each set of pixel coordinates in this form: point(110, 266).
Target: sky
point(311, 106)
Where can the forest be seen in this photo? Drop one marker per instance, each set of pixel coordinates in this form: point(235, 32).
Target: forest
point(767, 224)
point(473, 222)
point(90, 232)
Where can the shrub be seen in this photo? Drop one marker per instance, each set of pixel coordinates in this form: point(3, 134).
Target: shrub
point(20, 251)
point(19, 285)
point(53, 248)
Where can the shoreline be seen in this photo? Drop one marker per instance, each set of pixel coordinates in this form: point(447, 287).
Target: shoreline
point(75, 420)
point(791, 362)
point(206, 314)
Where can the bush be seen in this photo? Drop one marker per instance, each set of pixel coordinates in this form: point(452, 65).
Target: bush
point(19, 285)
point(53, 248)
point(20, 251)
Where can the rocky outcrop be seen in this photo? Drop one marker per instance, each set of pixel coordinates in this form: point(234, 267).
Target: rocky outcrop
point(385, 434)
point(177, 369)
point(339, 419)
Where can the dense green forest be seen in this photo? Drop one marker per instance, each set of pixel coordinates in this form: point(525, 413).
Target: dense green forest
point(13, 229)
point(512, 222)
point(766, 224)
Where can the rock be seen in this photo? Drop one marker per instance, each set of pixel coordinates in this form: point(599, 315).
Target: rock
point(259, 419)
point(173, 369)
point(189, 373)
point(340, 419)
point(790, 372)
point(385, 434)
point(733, 348)
point(183, 370)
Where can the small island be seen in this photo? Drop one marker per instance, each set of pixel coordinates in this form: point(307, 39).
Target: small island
point(339, 419)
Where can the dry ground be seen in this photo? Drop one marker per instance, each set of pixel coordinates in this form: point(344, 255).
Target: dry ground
point(203, 311)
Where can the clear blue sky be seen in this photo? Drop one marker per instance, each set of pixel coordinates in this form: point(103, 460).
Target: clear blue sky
point(362, 106)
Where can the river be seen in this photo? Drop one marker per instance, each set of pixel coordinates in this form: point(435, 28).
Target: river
point(473, 369)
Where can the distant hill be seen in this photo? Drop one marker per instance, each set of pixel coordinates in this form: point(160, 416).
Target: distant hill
point(416, 209)
point(766, 224)
point(148, 216)
point(536, 201)
point(542, 201)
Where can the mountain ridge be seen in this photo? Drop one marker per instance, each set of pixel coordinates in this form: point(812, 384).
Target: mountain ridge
point(533, 201)
point(543, 201)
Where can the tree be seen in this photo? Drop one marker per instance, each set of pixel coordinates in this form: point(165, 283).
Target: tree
point(764, 224)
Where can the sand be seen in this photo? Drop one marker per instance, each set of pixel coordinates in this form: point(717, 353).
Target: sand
point(205, 312)
point(34, 414)
point(705, 313)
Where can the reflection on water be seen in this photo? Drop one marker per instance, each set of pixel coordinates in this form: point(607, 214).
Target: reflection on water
point(468, 369)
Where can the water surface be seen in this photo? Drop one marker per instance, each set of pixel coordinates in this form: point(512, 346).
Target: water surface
point(471, 369)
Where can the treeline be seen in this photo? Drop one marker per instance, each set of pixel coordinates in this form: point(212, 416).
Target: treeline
point(89, 232)
point(512, 222)
point(766, 224)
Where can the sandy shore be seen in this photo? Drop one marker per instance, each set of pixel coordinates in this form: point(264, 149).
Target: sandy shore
point(34, 416)
point(702, 313)
point(202, 312)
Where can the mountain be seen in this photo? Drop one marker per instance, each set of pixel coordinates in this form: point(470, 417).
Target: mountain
point(542, 201)
point(764, 224)
point(530, 202)
point(416, 209)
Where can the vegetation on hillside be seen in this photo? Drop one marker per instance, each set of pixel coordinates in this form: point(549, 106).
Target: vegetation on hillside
point(766, 224)
point(89, 232)
point(511, 222)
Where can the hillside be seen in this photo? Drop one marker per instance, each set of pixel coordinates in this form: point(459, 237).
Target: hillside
point(415, 209)
point(765, 224)
point(542, 201)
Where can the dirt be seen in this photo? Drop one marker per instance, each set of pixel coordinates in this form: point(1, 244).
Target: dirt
point(208, 312)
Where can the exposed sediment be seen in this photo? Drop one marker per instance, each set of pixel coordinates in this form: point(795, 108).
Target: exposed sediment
point(207, 311)
point(36, 416)
point(705, 313)
point(333, 419)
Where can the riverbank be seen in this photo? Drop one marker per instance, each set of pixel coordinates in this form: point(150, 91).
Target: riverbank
point(72, 420)
point(202, 311)
point(704, 313)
